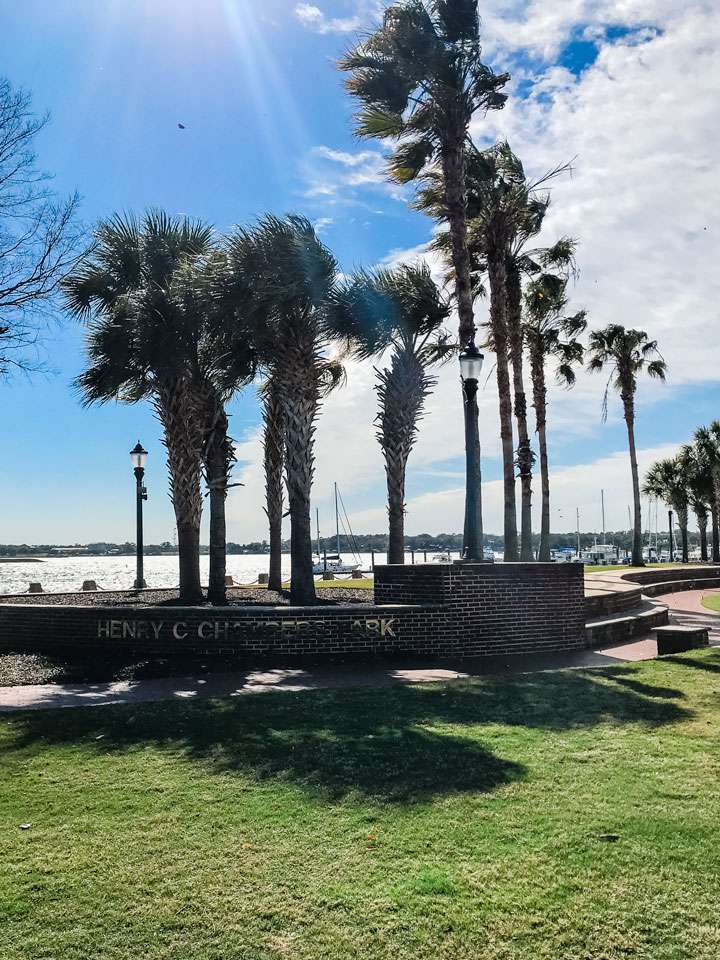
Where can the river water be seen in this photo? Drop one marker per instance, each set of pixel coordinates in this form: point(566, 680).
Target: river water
point(59, 574)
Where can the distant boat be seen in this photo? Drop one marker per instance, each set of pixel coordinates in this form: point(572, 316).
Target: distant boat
point(332, 562)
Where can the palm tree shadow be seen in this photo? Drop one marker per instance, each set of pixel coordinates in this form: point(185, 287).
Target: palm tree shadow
point(710, 663)
point(402, 743)
point(646, 689)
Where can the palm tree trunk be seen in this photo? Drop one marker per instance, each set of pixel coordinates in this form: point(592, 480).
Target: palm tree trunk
point(629, 410)
point(219, 456)
point(682, 515)
point(188, 534)
point(274, 458)
point(181, 422)
point(497, 279)
point(715, 516)
point(525, 456)
point(401, 389)
point(299, 391)
point(453, 164)
point(396, 519)
point(702, 519)
point(537, 372)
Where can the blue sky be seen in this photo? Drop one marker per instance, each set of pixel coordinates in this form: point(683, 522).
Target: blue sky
point(268, 127)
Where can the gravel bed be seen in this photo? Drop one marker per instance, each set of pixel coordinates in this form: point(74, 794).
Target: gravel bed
point(241, 597)
point(18, 669)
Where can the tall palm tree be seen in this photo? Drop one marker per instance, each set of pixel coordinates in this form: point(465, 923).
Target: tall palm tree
point(504, 211)
point(549, 335)
point(666, 480)
point(274, 463)
point(707, 444)
point(293, 277)
point(221, 360)
point(487, 244)
point(400, 311)
point(420, 81)
point(138, 349)
point(627, 353)
point(700, 490)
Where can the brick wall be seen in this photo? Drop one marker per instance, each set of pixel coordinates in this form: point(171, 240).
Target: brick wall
point(438, 610)
point(497, 608)
point(662, 575)
point(233, 631)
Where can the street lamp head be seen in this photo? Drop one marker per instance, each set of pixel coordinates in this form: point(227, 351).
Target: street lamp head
point(471, 362)
point(138, 455)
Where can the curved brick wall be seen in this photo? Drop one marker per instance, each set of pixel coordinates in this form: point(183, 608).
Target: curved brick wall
point(453, 610)
point(661, 575)
point(224, 631)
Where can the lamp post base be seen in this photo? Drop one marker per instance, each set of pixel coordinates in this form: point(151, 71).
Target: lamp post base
point(139, 585)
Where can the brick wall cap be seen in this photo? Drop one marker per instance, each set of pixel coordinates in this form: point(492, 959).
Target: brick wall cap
point(249, 610)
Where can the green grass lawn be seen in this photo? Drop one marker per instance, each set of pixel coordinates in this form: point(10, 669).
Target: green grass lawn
point(626, 568)
point(365, 583)
point(712, 601)
point(554, 816)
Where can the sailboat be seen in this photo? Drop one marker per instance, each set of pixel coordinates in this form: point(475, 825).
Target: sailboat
point(331, 562)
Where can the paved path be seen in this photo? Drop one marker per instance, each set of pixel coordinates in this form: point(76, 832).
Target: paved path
point(294, 679)
point(684, 607)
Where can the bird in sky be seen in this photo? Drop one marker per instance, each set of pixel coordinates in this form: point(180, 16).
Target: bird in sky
point(181, 126)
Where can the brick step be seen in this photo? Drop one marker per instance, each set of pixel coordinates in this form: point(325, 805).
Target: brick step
point(608, 631)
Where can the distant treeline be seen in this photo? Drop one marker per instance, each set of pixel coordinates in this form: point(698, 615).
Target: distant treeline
point(360, 543)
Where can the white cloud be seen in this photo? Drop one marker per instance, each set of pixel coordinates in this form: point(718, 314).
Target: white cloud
point(644, 133)
point(313, 17)
point(339, 177)
point(572, 488)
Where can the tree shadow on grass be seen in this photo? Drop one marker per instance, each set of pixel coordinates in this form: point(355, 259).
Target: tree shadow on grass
point(618, 675)
point(400, 743)
point(709, 663)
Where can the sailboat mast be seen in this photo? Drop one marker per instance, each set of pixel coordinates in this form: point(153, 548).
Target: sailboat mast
point(317, 525)
point(337, 521)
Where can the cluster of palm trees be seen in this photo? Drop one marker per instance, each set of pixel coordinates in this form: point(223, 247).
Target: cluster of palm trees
point(690, 481)
point(185, 319)
point(420, 80)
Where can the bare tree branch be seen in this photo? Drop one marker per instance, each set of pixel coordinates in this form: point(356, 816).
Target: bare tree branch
point(40, 240)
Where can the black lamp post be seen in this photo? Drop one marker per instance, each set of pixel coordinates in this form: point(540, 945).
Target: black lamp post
point(471, 362)
point(138, 456)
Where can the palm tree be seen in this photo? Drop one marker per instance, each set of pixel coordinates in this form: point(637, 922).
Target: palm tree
point(666, 480)
point(549, 335)
point(221, 359)
point(707, 444)
point(273, 462)
point(400, 311)
point(504, 211)
point(420, 80)
point(293, 275)
point(627, 353)
point(487, 244)
point(700, 490)
point(138, 349)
